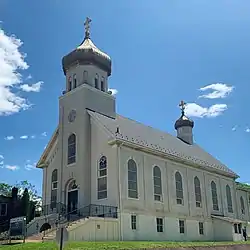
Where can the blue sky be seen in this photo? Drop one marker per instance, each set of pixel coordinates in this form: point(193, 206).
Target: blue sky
point(194, 50)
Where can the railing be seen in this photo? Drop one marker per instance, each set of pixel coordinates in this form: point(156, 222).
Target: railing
point(54, 208)
point(93, 210)
point(66, 213)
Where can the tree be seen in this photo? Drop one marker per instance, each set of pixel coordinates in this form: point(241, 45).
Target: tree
point(25, 200)
point(27, 193)
point(5, 189)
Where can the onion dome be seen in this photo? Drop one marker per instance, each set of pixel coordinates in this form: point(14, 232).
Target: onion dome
point(183, 121)
point(87, 53)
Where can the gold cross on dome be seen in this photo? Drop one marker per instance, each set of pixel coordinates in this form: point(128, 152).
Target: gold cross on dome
point(87, 27)
point(182, 105)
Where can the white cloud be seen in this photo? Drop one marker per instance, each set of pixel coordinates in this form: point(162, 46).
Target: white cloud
point(12, 167)
point(195, 110)
point(33, 137)
point(247, 130)
point(29, 77)
point(1, 157)
point(24, 137)
point(12, 61)
point(44, 134)
point(1, 163)
point(28, 166)
point(9, 138)
point(36, 87)
point(113, 91)
point(234, 128)
point(219, 90)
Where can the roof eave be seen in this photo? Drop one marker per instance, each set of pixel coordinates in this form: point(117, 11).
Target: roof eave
point(171, 157)
point(41, 162)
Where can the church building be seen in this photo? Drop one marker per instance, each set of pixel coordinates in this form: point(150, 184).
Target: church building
point(118, 179)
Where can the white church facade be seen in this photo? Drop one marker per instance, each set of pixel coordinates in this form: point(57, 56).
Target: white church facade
point(122, 180)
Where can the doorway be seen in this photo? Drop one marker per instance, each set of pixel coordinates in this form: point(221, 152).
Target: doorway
point(72, 198)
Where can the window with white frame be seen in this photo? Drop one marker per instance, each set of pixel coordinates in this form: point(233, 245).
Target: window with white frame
point(242, 205)
point(201, 228)
point(102, 192)
point(179, 189)
point(71, 148)
point(54, 184)
point(97, 81)
point(159, 225)
point(229, 199)
point(102, 84)
point(133, 222)
point(70, 84)
point(182, 226)
point(197, 190)
point(132, 179)
point(214, 196)
point(75, 81)
point(3, 209)
point(157, 184)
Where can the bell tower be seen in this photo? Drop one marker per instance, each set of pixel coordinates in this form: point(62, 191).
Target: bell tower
point(89, 66)
point(86, 71)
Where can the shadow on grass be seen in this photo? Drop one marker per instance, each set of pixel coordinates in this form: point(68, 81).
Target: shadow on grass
point(11, 244)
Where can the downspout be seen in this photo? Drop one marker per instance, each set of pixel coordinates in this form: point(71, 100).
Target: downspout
point(62, 132)
point(45, 180)
point(119, 189)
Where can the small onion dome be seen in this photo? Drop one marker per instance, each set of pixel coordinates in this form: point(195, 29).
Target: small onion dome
point(87, 53)
point(183, 121)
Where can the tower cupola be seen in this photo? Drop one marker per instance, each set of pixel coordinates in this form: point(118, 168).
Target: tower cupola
point(87, 54)
point(184, 126)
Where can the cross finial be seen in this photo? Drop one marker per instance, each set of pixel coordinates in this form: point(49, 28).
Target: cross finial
point(87, 27)
point(182, 105)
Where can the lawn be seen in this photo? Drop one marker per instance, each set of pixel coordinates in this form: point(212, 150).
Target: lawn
point(112, 245)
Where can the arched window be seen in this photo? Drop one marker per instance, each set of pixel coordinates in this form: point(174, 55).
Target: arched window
point(157, 184)
point(132, 179)
point(102, 84)
point(229, 199)
point(214, 196)
point(54, 184)
point(197, 190)
point(85, 76)
point(242, 205)
point(70, 84)
point(71, 148)
point(75, 81)
point(96, 81)
point(179, 189)
point(102, 178)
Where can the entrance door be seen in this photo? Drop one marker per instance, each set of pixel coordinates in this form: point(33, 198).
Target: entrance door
point(72, 201)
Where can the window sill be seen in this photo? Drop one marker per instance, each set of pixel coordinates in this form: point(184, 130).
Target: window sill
point(71, 164)
point(134, 199)
point(158, 202)
point(102, 199)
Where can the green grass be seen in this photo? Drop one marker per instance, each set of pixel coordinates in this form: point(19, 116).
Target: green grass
point(112, 245)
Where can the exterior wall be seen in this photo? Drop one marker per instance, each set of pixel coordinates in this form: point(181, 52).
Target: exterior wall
point(170, 231)
point(147, 209)
point(245, 196)
point(53, 161)
point(223, 231)
point(95, 229)
point(100, 147)
point(145, 201)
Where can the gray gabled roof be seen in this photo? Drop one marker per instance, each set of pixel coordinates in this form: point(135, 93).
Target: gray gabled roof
point(148, 137)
